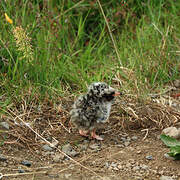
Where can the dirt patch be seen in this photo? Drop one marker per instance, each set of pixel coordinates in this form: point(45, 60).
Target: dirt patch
point(131, 149)
point(141, 159)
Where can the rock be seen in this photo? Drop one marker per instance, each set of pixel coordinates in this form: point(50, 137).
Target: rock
point(83, 147)
point(134, 138)
point(120, 167)
point(26, 163)
point(166, 178)
point(113, 164)
point(132, 161)
point(95, 147)
point(4, 125)
point(58, 158)
point(67, 149)
point(47, 153)
point(46, 147)
point(177, 83)
point(67, 176)
point(106, 164)
point(174, 105)
point(120, 145)
point(136, 168)
point(149, 157)
point(128, 138)
point(4, 164)
point(53, 176)
point(126, 143)
point(168, 157)
point(128, 165)
point(161, 172)
point(144, 167)
point(38, 152)
point(115, 169)
point(86, 141)
point(21, 171)
point(3, 158)
point(124, 139)
point(172, 132)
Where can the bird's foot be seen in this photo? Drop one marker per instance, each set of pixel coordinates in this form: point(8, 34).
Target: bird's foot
point(83, 133)
point(95, 136)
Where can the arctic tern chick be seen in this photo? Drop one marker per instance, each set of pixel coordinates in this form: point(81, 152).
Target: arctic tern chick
point(93, 108)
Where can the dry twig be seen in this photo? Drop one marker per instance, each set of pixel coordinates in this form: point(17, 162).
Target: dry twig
point(76, 162)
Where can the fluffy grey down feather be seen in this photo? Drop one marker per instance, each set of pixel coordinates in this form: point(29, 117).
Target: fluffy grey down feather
point(92, 108)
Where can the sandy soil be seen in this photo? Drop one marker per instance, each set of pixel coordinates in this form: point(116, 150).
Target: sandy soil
point(126, 153)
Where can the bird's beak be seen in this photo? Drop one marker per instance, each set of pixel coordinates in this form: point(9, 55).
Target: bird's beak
point(117, 93)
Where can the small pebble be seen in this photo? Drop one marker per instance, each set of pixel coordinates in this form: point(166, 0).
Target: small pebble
point(136, 168)
point(144, 167)
point(120, 167)
point(4, 164)
point(21, 171)
point(113, 164)
point(134, 138)
point(149, 157)
point(127, 143)
point(172, 132)
point(3, 158)
point(95, 147)
point(58, 158)
point(106, 164)
point(168, 157)
point(26, 163)
point(83, 147)
point(48, 153)
point(128, 165)
point(174, 105)
point(120, 145)
point(4, 125)
point(115, 168)
point(124, 139)
point(67, 176)
point(177, 83)
point(53, 176)
point(68, 149)
point(166, 178)
point(86, 141)
point(46, 147)
point(161, 172)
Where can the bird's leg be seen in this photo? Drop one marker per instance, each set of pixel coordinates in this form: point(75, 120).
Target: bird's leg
point(83, 133)
point(95, 136)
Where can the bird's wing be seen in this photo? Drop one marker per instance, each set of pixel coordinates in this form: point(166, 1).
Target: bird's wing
point(104, 113)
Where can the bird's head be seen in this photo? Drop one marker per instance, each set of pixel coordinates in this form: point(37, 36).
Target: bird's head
point(102, 90)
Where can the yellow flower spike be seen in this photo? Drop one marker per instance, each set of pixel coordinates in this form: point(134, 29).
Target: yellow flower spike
point(8, 19)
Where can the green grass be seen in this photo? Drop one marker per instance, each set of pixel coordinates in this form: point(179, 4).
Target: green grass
point(71, 46)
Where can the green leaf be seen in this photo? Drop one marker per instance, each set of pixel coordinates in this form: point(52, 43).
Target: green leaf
point(169, 141)
point(175, 150)
point(174, 154)
point(173, 144)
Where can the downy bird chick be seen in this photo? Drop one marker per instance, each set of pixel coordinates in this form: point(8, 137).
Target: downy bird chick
point(93, 108)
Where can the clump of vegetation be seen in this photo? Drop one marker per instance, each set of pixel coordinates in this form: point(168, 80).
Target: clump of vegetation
point(173, 144)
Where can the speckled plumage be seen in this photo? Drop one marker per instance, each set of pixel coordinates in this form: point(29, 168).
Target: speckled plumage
point(92, 108)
